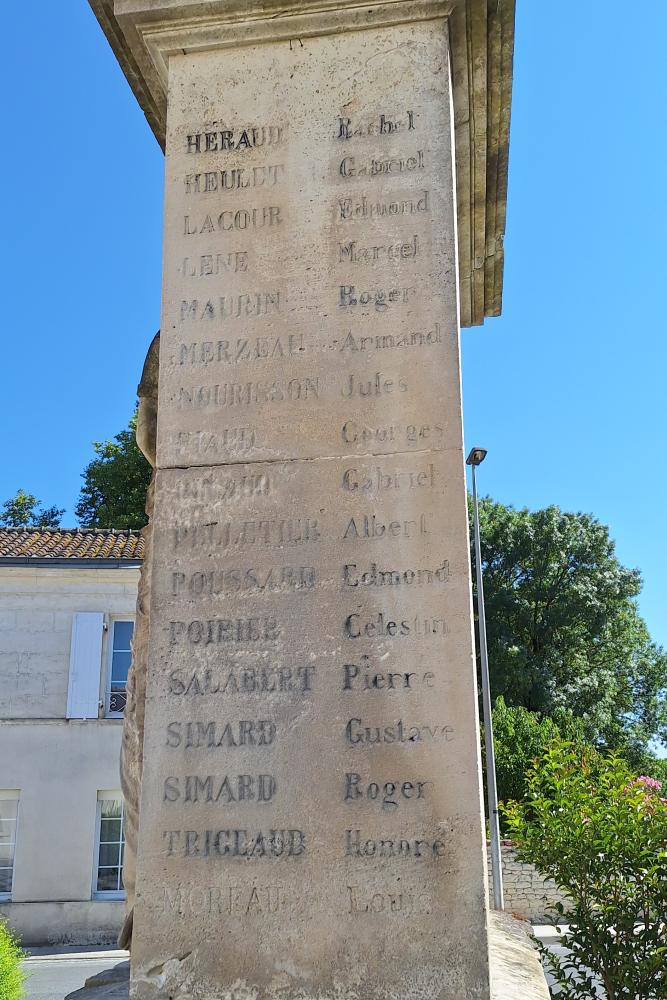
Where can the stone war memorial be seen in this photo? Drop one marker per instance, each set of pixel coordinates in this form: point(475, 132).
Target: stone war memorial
point(310, 822)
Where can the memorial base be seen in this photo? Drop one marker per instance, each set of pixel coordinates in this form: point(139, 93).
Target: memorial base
point(516, 972)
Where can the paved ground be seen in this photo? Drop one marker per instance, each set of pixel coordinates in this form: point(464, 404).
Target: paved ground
point(559, 950)
point(549, 937)
point(53, 977)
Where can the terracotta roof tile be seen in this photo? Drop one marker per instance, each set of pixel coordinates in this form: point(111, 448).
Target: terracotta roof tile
point(70, 543)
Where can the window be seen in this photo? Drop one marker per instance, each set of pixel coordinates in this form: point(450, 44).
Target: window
point(110, 841)
point(121, 657)
point(9, 805)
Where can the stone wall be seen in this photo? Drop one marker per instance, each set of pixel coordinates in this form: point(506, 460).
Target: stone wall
point(36, 608)
point(82, 923)
point(527, 894)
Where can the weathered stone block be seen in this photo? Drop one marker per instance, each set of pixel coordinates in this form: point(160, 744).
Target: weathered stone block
point(311, 771)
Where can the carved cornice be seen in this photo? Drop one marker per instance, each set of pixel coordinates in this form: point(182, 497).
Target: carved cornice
point(144, 33)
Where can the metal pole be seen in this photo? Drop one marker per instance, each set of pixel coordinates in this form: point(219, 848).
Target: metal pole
point(491, 790)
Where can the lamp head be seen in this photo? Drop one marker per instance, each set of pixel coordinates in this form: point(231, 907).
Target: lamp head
point(476, 456)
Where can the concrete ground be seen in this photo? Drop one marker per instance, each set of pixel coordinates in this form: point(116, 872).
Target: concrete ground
point(52, 974)
point(548, 936)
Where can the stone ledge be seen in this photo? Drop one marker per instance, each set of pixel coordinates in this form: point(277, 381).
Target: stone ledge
point(516, 970)
point(143, 32)
point(112, 984)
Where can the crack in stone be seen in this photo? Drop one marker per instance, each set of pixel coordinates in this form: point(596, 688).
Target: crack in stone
point(316, 458)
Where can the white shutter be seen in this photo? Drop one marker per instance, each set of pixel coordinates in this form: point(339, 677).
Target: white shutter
point(85, 665)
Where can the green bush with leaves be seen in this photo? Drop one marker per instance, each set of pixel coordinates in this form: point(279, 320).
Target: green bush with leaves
point(601, 834)
point(11, 973)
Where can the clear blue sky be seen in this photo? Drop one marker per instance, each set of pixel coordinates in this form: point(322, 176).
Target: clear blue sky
point(566, 389)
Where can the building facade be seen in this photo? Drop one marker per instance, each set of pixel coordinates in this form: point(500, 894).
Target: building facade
point(67, 606)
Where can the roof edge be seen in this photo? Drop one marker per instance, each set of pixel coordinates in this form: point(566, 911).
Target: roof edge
point(73, 562)
point(71, 531)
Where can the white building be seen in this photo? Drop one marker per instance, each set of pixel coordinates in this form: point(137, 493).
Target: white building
point(67, 605)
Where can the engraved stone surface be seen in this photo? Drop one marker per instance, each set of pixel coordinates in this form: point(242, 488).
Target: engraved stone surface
point(311, 818)
point(516, 971)
point(145, 33)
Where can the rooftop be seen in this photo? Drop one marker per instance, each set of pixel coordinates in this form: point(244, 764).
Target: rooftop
point(28, 544)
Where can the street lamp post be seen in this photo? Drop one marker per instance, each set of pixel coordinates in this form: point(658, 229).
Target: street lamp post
point(475, 458)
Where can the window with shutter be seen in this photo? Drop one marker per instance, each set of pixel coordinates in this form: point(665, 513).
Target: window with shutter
point(85, 665)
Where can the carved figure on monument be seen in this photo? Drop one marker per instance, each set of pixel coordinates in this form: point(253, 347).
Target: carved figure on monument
point(131, 755)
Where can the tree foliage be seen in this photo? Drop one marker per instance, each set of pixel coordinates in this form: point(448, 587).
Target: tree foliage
point(24, 510)
point(115, 482)
point(563, 627)
point(12, 976)
point(521, 737)
point(601, 835)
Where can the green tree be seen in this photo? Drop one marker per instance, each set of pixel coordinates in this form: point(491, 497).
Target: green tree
point(115, 482)
point(601, 835)
point(521, 737)
point(563, 627)
point(24, 510)
point(12, 976)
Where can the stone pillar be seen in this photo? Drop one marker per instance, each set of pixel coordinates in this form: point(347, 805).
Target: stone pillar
point(311, 821)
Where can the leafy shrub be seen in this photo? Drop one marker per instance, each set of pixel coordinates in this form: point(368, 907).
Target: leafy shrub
point(601, 834)
point(11, 973)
